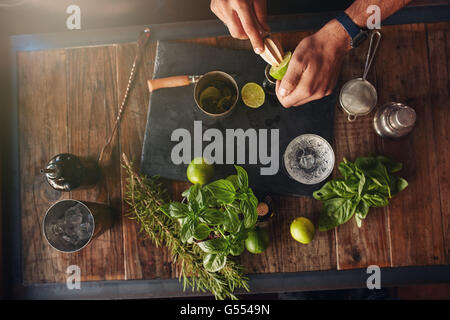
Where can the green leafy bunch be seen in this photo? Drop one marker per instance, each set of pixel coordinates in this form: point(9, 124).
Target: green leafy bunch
point(368, 182)
point(146, 196)
point(217, 217)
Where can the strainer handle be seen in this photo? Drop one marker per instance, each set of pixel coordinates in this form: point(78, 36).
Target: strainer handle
point(370, 52)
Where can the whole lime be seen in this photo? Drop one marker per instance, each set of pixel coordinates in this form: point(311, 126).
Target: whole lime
point(199, 171)
point(257, 240)
point(302, 230)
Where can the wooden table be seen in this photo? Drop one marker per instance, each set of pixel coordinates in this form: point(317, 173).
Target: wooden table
point(68, 99)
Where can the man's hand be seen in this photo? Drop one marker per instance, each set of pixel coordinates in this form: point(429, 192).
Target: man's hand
point(245, 19)
point(314, 66)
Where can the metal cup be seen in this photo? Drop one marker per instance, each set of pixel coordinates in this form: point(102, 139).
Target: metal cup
point(205, 81)
point(70, 225)
point(269, 83)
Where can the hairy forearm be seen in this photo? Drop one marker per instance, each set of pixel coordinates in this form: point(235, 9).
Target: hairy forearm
point(358, 10)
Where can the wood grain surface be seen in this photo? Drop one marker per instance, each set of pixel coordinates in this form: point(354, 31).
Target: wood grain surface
point(68, 100)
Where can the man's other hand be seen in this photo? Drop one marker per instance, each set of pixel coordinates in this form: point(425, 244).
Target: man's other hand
point(314, 67)
point(245, 19)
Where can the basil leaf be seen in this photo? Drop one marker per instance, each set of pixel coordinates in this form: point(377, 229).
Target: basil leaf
point(178, 210)
point(375, 199)
point(362, 210)
point(202, 231)
point(213, 246)
point(401, 184)
point(232, 222)
point(335, 212)
point(187, 230)
point(241, 196)
point(241, 234)
point(326, 192)
point(234, 180)
point(249, 212)
point(334, 188)
point(391, 166)
point(213, 217)
point(347, 169)
point(214, 262)
point(362, 183)
point(242, 177)
point(252, 199)
point(237, 248)
point(191, 193)
point(223, 190)
point(165, 209)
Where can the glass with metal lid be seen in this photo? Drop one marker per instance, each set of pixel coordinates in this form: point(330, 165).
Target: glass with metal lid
point(358, 96)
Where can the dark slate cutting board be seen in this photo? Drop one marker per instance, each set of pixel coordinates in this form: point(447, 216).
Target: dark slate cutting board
point(175, 108)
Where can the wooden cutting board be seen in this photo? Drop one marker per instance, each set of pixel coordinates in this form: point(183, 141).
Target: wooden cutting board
point(174, 108)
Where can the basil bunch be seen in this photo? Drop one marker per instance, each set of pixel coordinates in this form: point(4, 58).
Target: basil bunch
point(216, 217)
point(368, 182)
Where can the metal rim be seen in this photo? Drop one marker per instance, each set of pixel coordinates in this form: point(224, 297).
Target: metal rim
point(268, 76)
point(333, 158)
point(358, 114)
point(45, 217)
point(225, 75)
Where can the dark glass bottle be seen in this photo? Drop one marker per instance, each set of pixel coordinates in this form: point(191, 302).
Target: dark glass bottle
point(65, 172)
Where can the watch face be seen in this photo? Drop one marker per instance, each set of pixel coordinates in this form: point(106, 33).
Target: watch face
point(359, 38)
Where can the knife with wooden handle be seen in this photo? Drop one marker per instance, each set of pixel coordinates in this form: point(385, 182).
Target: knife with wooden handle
point(173, 82)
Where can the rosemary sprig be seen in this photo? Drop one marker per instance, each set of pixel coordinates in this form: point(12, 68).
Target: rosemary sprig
point(146, 196)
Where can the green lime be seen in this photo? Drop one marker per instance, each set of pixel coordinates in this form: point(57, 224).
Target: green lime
point(302, 230)
point(199, 171)
point(278, 72)
point(253, 95)
point(257, 240)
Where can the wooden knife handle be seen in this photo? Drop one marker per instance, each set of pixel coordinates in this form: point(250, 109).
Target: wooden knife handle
point(170, 82)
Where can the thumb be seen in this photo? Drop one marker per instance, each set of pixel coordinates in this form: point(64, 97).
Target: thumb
point(290, 79)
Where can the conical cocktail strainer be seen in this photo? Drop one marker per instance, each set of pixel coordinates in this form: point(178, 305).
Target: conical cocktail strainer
point(358, 96)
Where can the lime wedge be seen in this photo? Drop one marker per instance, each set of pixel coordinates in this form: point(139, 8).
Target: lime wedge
point(253, 95)
point(278, 72)
point(209, 98)
point(224, 104)
point(210, 93)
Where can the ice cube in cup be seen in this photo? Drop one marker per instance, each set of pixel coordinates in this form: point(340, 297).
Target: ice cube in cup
point(68, 225)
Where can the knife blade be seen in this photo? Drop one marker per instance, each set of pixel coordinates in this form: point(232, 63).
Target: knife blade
point(174, 81)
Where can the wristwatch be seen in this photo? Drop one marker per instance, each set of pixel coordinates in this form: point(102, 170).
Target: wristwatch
point(357, 34)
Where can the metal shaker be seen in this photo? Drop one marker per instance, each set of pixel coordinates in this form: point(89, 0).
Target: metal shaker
point(394, 120)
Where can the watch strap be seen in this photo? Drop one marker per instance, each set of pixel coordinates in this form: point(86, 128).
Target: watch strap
point(356, 34)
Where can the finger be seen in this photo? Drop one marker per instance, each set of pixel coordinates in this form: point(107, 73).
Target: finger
point(260, 8)
point(251, 27)
point(290, 79)
point(234, 25)
point(303, 91)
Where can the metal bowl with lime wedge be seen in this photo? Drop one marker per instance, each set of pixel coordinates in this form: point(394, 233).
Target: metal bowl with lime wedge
point(216, 94)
